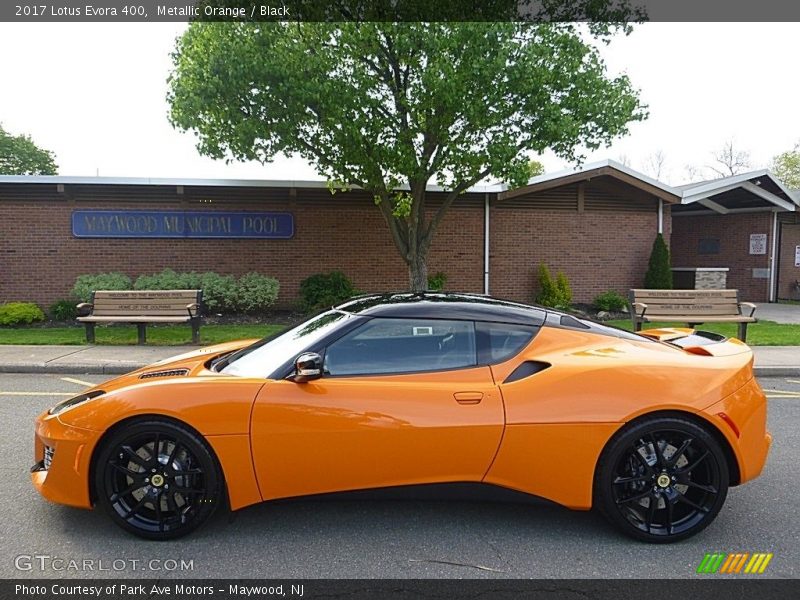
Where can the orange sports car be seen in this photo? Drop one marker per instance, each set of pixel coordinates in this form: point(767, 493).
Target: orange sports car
point(402, 389)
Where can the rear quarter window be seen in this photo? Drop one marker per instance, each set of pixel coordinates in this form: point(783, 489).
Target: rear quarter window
point(500, 341)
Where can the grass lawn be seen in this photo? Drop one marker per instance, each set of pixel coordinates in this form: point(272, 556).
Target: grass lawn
point(157, 335)
point(763, 333)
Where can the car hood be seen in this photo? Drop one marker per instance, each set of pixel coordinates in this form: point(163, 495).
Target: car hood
point(182, 365)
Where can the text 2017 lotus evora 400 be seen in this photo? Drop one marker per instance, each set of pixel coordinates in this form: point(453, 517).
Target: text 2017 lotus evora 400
point(406, 389)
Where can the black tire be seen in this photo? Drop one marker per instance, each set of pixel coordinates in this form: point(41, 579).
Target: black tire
point(157, 479)
point(661, 479)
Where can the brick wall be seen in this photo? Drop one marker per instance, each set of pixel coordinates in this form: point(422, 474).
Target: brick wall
point(599, 249)
point(788, 273)
point(605, 246)
point(733, 233)
point(39, 258)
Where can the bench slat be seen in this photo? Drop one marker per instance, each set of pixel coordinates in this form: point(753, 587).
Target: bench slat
point(134, 319)
point(134, 294)
point(699, 318)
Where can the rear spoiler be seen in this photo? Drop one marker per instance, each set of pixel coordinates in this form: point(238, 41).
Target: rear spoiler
point(703, 343)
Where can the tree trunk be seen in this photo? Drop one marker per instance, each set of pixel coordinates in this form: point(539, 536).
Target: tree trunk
point(418, 272)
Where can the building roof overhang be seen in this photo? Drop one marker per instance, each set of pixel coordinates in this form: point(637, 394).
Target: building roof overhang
point(745, 192)
point(586, 172)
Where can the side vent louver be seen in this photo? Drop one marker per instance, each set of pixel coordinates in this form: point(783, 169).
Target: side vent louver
point(526, 369)
point(168, 373)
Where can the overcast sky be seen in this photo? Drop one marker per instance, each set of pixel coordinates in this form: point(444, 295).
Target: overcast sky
point(95, 95)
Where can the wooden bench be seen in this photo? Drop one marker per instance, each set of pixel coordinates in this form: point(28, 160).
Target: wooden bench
point(692, 307)
point(142, 307)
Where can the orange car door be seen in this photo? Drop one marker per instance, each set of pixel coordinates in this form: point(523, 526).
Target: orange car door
point(358, 431)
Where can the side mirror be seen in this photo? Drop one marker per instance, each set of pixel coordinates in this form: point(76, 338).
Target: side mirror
point(307, 366)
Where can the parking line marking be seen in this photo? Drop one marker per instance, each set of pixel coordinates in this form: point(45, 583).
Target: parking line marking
point(77, 381)
point(36, 394)
point(793, 380)
point(785, 392)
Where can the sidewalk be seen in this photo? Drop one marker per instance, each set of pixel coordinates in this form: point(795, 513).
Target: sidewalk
point(776, 361)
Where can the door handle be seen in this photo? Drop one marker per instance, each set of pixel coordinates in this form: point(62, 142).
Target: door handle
point(468, 397)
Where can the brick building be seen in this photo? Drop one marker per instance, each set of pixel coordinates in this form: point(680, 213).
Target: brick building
point(596, 224)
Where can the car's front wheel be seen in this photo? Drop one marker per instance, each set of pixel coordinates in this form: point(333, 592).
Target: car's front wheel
point(662, 479)
point(157, 479)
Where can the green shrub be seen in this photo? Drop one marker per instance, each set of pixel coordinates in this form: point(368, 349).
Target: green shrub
point(63, 310)
point(325, 290)
point(564, 291)
point(86, 284)
point(436, 282)
point(610, 301)
point(659, 274)
point(256, 292)
point(219, 292)
point(168, 280)
point(553, 293)
point(20, 313)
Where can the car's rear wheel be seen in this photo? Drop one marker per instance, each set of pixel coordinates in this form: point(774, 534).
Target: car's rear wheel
point(157, 479)
point(662, 479)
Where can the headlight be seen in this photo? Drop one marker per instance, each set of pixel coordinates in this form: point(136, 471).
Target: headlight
point(62, 406)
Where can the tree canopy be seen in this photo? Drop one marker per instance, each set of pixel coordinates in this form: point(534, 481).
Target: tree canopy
point(787, 167)
point(393, 106)
point(20, 156)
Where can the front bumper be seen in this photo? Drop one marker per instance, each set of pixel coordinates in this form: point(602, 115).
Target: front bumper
point(66, 481)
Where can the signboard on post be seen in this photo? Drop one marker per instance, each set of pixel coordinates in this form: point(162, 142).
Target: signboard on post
point(758, 243)
point(181, 224)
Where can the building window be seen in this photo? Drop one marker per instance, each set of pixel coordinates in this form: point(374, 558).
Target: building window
point(708, 246)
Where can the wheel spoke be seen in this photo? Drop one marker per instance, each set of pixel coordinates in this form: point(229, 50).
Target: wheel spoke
point(622, 480)
point(159, 516)
point(173, 453)
point(135, 457)
point(679, 452)
point(634, 498)
point(668, 504)
point(156, 447)
point(658, 451)
point(651, 511)
point(172, 506)
point(126, 471)
point(648, 469)
point(706, 488)
point(685, 500)
point(136, 507)
point(136, 485)
point(693, 466)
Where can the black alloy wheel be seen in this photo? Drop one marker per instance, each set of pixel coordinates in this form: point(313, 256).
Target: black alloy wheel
point(662, 479)
point(157, 479)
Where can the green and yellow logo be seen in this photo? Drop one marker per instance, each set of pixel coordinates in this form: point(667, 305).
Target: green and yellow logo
point(741, 562)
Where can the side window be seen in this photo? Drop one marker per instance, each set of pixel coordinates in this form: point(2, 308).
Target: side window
point(500, 341)
point(386, 346)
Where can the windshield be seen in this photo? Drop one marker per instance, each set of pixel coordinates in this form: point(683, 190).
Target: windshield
point(263, 357)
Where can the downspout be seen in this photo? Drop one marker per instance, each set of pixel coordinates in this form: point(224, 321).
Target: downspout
point(486, 244)
point(773, 263)
point(660, 216)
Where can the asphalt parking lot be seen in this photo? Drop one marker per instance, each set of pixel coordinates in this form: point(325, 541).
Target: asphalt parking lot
point(382, 536)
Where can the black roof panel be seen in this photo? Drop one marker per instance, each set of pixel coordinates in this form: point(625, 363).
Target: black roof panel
point(443, 305)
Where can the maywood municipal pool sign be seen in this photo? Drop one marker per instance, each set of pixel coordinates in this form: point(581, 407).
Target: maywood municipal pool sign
point(181, 224)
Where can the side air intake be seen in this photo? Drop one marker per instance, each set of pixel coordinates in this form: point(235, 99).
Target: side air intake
point(168, 373)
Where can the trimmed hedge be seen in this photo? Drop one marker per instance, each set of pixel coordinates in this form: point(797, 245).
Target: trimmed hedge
point(252, 292)
point(20, 313)
point(86, 284)
point(324, 290)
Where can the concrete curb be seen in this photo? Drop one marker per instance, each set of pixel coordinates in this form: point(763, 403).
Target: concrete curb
point(95, 369)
